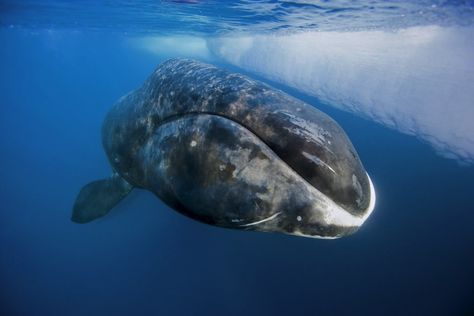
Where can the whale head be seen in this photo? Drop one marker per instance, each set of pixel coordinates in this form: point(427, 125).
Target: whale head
point(318, 150)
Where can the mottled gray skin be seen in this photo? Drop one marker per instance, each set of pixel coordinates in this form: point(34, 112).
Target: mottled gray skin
point(233, 152)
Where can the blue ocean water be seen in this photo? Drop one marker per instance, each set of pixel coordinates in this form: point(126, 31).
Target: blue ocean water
point(64, 64)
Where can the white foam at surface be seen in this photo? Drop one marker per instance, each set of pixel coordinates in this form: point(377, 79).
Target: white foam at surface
point(174, 46)
point(418, 80)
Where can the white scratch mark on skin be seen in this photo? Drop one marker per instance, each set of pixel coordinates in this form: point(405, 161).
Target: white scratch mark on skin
point(310, 131)
point(318, 161)
point(262, 221)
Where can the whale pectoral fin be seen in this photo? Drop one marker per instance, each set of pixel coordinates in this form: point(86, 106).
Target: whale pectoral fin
point(97, 198)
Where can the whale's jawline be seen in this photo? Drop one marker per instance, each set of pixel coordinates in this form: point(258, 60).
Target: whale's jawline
point(359, 220)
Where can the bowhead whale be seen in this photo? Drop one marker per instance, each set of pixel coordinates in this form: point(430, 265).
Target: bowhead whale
point(233, 152)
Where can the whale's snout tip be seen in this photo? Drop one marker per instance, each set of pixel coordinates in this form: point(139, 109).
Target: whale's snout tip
point(373, 198)
point(331, 220)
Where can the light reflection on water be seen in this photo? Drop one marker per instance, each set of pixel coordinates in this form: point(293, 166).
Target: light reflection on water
point(218, 17)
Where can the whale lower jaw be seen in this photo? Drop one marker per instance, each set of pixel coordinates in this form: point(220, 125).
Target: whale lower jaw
point(337, 216)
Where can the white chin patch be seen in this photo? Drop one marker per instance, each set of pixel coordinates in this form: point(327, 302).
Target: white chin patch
point(337, 216)
point(372, 199)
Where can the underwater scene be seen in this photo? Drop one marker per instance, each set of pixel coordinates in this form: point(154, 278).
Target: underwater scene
point(267, 157)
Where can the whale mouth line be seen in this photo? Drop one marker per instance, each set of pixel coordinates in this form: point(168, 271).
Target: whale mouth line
point(175, 117)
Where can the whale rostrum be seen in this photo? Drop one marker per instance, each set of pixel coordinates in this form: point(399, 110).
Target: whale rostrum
point(233, 152)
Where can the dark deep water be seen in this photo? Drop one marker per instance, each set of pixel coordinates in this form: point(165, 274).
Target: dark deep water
point(413, 256)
